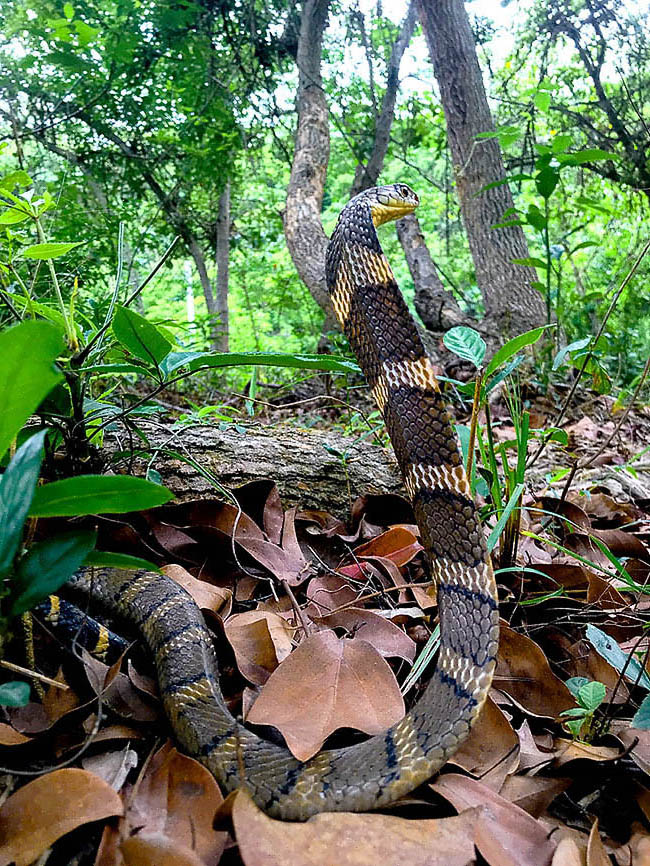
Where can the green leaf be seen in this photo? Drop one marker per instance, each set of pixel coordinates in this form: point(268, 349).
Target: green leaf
point(542, 100)
point(14, 694)
point(592, 204)
point(584, 245)
point(16, 178)
point(17, 487)
point(560, 142)
point(574, 684)
point(607, 647)
point(68, 10)
point(97, 494)
point(546, 180)
point(531, 262)
point(593, 154)
point(13, 215)
point(572, 347)
point(85, 32)
point(591, 695)
point(501, 522)
point(106, 559)
point(575, 727)
point(174, 360)
point(513, 346)
point(328, 363)
point(47, 566)
point(641, 718)
point(536, 218)
point(466, 343)
point(575, 712)
point(27, 373)
point(49, 251)
point(139, 336)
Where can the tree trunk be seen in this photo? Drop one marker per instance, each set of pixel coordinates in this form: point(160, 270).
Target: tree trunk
point(223, 249)
point(511, 304)
point(434, 304)
point(303, 229)
point(306, 473)
point(366, 175)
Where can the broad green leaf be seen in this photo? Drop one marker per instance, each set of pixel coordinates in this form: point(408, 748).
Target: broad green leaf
point(97, 494)
point(85, 32)
point(574, 684)
point(327, 363)
point(49, 251)
point(513, 346)
point(536, 218)
point(466, 343)
point(13, 215)
point(27, 373)
point(47, 566)
point(591, 695)
point(68, 10)
point(641, 718)
point(575, 712)
point(575, 727)
point(546, 181)
point(139, 336)
point(106, 559)
point(14, 694)
point(584, 245)
point(501, 522)
point(593, 154)
point(174, 360)
point(561, 142)
point(607, 647)
point(16, 178)
point(572, 347)
point(531, 262)
point(17, 487)
point(542, 100)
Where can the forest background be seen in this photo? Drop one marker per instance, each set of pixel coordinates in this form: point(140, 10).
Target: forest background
point(147, 121)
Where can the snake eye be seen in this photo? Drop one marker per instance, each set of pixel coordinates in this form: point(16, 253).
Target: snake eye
point(404, 191)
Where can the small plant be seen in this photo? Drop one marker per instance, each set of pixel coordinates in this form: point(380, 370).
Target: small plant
point(581, 720)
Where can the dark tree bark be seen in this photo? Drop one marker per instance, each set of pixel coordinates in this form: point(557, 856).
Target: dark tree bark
point(511, 304)
point(303, 229)
point(435, 305)
point(366, 175)
point(223, 250)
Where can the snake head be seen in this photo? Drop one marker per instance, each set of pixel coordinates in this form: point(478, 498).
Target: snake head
point(391, 202)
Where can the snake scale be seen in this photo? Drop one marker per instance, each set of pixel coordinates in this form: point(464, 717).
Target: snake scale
point(383, 336)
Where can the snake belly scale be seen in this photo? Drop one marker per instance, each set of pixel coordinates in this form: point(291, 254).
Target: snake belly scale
point(385, 340)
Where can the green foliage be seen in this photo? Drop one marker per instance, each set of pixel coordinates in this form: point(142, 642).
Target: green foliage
point(589, 695)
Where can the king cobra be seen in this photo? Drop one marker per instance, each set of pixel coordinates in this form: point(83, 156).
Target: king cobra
point(385, 340)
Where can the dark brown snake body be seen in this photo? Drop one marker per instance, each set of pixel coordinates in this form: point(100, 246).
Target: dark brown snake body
point(384, 338)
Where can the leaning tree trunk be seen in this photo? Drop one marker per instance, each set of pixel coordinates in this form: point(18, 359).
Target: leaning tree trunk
point(511, 303)
point(303, 229)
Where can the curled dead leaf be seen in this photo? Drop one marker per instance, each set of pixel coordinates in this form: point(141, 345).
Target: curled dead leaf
point(260, 640)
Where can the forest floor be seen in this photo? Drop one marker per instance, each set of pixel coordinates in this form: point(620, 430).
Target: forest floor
point(303, 606)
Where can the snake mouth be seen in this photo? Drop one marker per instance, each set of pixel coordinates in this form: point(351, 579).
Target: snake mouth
point(392, 210)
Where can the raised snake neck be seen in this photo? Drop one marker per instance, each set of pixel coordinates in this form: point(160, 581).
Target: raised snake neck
point(373, 773)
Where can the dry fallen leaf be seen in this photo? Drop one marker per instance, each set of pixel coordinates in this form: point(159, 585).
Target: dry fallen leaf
point(345, 839)
point(491, 751)
point(42, 811)
point(387, 638)
point(260, 640)
point(533, 794)
point(568, 853)
point(347, 680)
point(524, 673)
point(596, 854)
point(170, 814)
point(505, 834)
point(567, 750)
point(207, 596)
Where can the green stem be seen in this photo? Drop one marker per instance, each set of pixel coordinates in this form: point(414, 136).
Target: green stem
point(69, 330)
point(547, 246)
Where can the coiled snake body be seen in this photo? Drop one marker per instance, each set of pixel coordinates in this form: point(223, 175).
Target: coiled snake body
point(384, 338)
